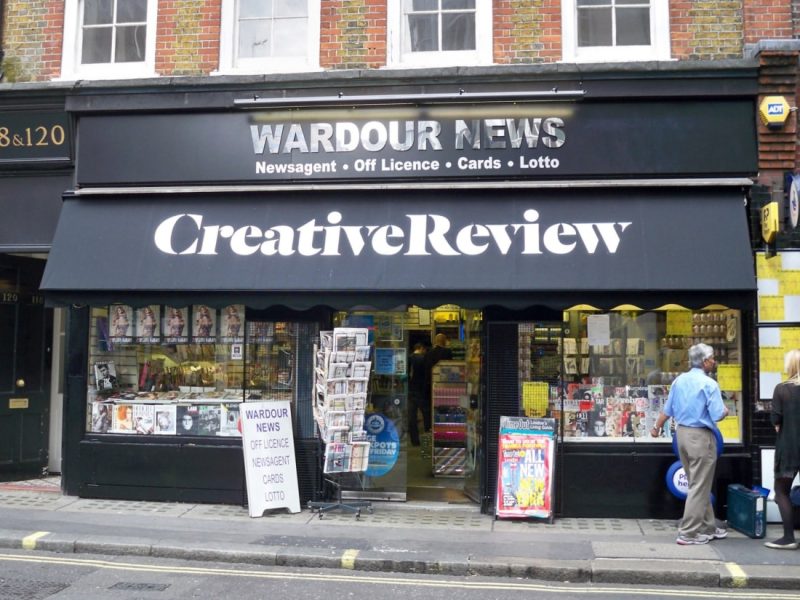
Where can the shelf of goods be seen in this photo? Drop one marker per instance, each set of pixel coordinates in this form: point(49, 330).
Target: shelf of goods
point(450, 400)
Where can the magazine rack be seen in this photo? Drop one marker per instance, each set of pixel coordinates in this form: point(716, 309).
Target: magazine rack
point(351, 506)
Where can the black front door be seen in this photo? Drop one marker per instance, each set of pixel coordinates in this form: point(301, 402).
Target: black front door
point(25, 360)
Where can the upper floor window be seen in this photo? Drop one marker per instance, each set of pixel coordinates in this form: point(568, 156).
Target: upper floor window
point(615, 30)
point(105, 39)
point(259, 36)
point(425, 33)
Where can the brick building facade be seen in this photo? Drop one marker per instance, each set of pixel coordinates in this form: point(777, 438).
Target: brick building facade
point(187, 58)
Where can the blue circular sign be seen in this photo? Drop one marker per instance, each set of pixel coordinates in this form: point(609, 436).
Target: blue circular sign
point(678, 485)
point(384, 444)
point(717, 434)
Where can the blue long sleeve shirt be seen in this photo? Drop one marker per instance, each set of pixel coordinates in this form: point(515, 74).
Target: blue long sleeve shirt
point(695, 400)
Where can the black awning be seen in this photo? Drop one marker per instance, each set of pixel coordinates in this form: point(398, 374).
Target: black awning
point(382, 248)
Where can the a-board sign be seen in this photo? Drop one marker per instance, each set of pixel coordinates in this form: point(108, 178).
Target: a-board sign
point(526, 455)
point(269, 461)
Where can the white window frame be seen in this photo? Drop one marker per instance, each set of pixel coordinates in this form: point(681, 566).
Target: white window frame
point(659, 48)
point(228, 64)
point(71, 67)
point(482, 55)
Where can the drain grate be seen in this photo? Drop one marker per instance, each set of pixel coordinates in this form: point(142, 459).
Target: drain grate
point(28, 589)
point(139, 587)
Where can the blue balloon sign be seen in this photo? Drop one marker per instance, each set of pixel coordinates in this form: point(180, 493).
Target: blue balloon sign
point(384, 444)
point(717, 434)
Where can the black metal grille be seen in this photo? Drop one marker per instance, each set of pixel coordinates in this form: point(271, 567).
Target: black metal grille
point(307, 333)
point(502, 396)
point(309, 474)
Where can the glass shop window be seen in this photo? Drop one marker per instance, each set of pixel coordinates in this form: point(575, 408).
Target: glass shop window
point(185, 370)
point(606, 375)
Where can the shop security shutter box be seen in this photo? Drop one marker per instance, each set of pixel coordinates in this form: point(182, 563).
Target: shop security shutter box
point(747, 511)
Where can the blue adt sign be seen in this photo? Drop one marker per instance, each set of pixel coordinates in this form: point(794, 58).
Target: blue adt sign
point(384, 444)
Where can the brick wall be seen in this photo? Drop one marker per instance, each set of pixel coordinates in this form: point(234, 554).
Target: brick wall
point(32, 39)
point(527, 31)
point(187, 37)
point(795, 18)
point(767, 19)
point(777, 150)
point(706, 30)
point(352, 34)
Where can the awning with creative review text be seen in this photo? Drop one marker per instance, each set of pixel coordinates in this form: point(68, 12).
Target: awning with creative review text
point(477, 247)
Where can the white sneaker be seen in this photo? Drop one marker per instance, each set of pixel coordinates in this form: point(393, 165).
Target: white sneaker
point(719, 534)
point(700, 538)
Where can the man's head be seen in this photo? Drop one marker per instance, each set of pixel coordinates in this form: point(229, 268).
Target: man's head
point(187, 421)
point(103, 368)
point(440, 340)
point(599, 426)
point(701, 356)
point(419, 347)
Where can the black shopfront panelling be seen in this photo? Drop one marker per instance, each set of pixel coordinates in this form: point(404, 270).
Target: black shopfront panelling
point(502, 396)
point(174, 469)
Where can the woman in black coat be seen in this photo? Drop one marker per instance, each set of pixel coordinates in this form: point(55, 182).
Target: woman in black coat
point(786, 419)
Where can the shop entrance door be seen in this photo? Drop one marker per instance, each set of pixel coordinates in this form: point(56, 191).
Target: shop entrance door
point(25, 361)
point(417, 454)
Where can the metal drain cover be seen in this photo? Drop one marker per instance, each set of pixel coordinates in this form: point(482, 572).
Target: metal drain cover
point(28, 589)
point(139, 587)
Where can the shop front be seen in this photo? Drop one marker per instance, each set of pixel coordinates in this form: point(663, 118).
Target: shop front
point(35, 169)
point(568, 251)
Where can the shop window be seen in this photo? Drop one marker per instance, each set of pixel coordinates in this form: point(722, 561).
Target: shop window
point(429, 33)
point(615, 30)
point(105, 39)
point(184, 370)
point(269, 37)
point(606, 375)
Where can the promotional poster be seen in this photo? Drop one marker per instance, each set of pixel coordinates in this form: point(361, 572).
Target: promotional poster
point(526, 468)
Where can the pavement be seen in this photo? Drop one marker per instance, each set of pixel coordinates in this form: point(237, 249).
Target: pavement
point(413, 537)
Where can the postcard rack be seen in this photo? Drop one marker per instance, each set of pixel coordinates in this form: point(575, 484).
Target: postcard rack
point(334, 484)
point(342, 371)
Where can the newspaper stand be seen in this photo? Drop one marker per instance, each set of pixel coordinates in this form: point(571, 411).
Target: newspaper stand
point(335, 482)
point(342, 371)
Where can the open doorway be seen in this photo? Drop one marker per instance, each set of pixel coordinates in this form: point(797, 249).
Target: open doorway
point(425, 385)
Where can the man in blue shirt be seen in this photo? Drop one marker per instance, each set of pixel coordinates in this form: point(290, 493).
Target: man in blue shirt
point(695, 402)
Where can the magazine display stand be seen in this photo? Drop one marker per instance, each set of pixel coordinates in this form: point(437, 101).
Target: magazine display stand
point(342, 372)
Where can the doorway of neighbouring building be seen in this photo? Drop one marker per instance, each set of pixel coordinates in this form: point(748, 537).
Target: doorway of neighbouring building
point(25, 363)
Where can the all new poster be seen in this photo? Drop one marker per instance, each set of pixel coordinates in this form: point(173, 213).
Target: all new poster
point(526, 455)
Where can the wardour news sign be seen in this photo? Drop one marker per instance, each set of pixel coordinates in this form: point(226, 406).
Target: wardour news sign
point(438, 142)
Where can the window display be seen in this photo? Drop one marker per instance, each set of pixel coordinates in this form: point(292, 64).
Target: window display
point(184, 370)
point(606, 375)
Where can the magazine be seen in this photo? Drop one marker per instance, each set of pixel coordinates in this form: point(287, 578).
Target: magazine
point(229, 420)
point(148, 321)
point(165, 417)
point(123, 418)
point(105, 375)
point(144, 418)
point(231, 330)
point(187, 419)
point(204, 324)
point(209, 420)
point(174, 325)
point(101, 417)
point(121, 318)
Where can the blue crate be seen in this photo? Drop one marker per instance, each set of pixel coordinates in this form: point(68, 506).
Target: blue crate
point(747, 511)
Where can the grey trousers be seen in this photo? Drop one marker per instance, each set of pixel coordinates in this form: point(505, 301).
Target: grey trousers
point(697, 448)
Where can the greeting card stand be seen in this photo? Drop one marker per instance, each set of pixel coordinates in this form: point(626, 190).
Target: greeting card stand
point(335, 482)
